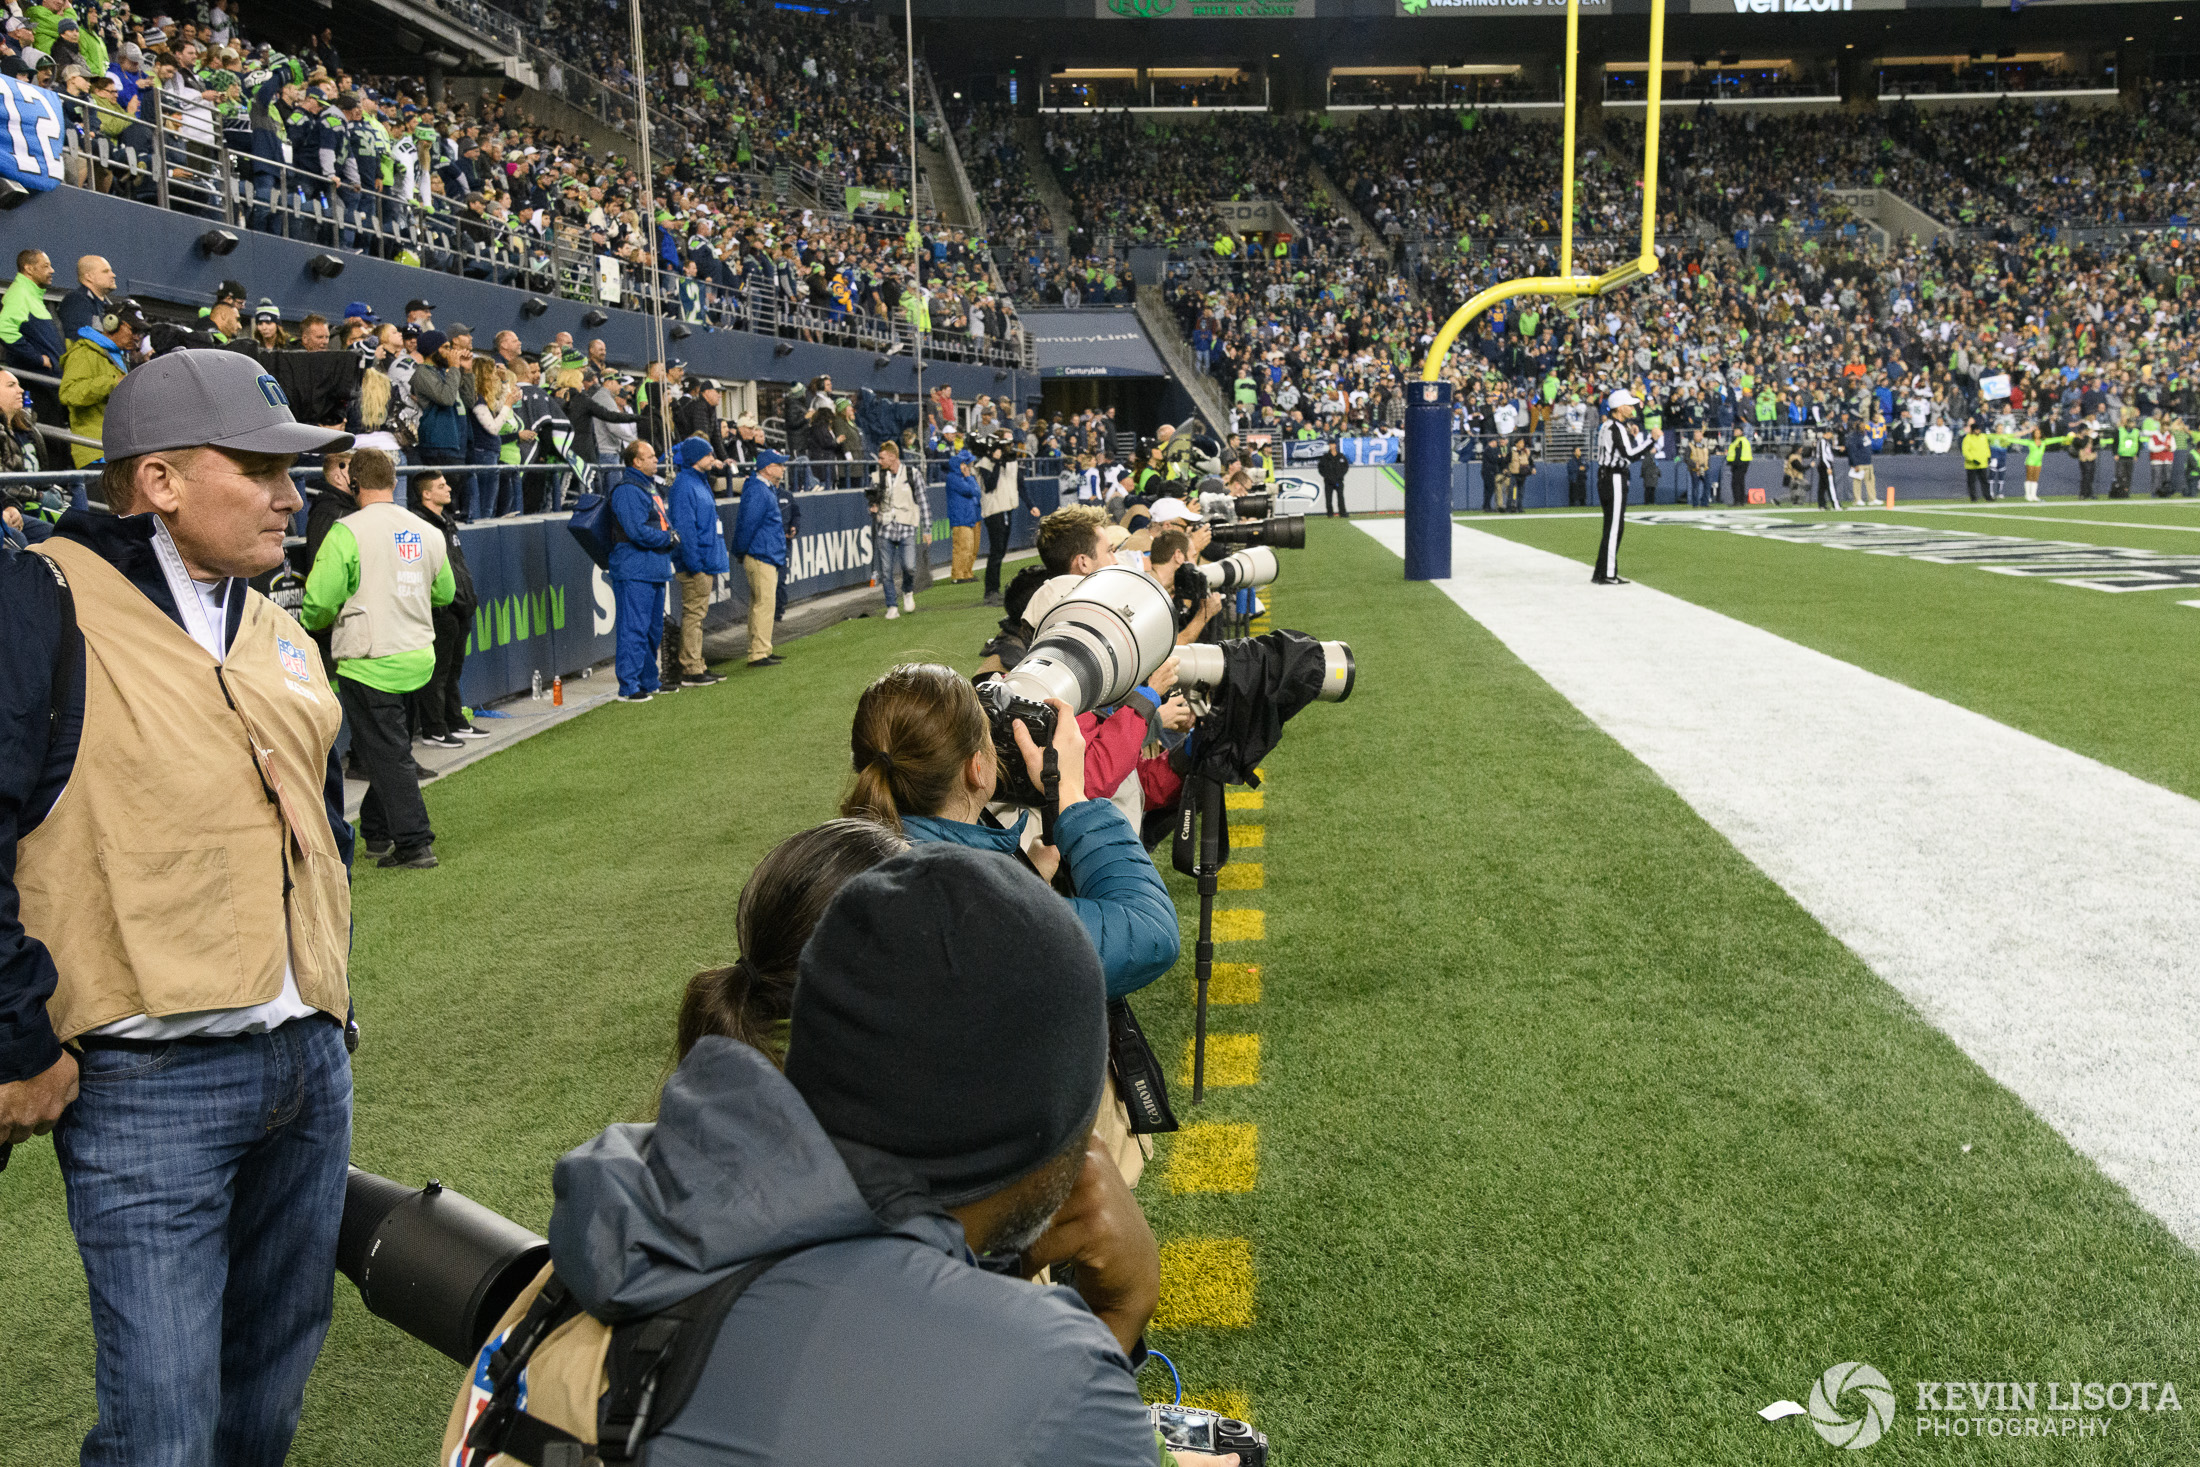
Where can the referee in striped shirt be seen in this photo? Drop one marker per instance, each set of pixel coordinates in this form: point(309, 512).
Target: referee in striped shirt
point(1619, 443)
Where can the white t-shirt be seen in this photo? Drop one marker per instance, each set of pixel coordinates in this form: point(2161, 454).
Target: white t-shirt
point(206, 617)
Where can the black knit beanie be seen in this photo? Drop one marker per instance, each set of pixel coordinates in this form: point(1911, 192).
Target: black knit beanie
point(951, 1012)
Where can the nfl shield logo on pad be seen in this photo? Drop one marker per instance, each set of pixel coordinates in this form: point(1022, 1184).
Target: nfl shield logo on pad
point(408, 545)
point(293, 660)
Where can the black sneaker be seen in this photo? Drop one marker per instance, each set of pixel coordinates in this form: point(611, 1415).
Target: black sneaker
point(442, 741)
point(666, 690)
point(701, 679)
point(767, 661)
point(469, 732)
point(378, 848)
point(419, 858)
point(633, 697)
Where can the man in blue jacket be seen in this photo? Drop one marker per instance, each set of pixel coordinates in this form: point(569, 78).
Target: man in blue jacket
point(760, 539)
point(699, 557)
point(640, 566)
point(963, 495)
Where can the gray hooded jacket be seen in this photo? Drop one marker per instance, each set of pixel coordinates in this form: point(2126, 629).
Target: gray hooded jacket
point(883, 1345)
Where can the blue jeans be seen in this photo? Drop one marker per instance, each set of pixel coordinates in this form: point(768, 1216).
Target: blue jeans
point(885, 555)
point(205, 1183)
point(638, 630)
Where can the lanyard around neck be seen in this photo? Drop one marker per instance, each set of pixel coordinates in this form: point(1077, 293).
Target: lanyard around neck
point(184, 591)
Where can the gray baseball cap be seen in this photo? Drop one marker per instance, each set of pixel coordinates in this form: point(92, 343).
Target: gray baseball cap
point(216, 399)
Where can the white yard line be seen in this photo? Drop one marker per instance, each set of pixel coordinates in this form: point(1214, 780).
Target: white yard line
point(2060, 519)
point(2029, 901)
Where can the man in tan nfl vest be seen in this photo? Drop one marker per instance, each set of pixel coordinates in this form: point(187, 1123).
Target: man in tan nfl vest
point(377, 579)
point(174, 916)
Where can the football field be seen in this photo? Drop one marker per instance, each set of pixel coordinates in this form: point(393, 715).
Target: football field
point(1634, 1004)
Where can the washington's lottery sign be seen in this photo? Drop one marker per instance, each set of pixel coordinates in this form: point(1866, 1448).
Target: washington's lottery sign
point(2065, 562)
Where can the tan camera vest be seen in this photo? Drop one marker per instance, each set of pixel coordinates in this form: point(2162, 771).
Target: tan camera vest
point(190, 842)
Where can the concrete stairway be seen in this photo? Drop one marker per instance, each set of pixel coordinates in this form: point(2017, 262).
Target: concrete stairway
point(1176, 353)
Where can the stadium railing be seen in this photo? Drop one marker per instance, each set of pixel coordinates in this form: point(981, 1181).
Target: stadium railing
point(187, 174)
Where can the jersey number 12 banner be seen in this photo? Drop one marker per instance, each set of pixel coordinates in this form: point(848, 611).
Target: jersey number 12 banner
point(31, 155)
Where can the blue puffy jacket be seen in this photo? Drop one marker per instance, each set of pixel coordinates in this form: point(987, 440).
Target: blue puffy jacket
point(758, 531)
point(694, 514)
point(640, 555)
point(962, 489)
point(1125, 908)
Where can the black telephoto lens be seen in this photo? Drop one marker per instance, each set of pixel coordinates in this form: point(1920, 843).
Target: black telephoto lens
point(1254, 506)
point(1285, 533)
point(439, 1266)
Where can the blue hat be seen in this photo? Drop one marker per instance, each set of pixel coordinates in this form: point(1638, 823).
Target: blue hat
point(769, 457)
point(363, 311)
point(965, 456)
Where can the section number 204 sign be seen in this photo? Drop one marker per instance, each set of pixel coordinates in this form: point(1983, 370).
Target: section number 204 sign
point(31, 152)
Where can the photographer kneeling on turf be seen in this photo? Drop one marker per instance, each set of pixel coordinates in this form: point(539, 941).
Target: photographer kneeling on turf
point(947, 1049)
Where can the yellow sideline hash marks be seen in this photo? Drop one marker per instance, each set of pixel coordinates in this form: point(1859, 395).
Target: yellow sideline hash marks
point(1232, 1059)
point(1215, 1158)
point(1240, 876)
point(1206, 1281)
point(1232, 983)
point(1243, 800)
point(1253, 837)
point(1241, 924)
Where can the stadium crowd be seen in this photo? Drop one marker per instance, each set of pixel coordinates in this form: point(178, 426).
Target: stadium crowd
point(476, 187)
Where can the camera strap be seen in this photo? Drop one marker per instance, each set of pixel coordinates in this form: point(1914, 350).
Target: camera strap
point(1050, 784)
point(1138, 1079)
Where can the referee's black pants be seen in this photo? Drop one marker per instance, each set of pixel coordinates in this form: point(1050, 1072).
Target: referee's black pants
point(1612, 494)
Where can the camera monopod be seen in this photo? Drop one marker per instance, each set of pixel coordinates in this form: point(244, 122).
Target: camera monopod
point(1200, 851)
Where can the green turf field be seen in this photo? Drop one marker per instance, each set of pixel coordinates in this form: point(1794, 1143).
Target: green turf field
point(2108, 675)
point(1575, 1141)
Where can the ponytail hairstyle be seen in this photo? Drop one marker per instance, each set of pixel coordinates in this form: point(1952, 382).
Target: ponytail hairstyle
point(785, 895)
point(915, 729)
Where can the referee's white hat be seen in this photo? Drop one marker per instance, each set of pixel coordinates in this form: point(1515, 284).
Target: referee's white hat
point(1622, 398)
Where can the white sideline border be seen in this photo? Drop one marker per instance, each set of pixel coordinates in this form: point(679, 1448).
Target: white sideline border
point(1985, 874)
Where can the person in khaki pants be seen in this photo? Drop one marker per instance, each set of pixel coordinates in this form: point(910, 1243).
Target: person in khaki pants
point(963, 496)
point(760, 539)
point(698, 555)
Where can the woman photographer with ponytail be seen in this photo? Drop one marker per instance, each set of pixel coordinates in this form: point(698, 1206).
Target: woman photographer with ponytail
point(785, 895)
point(924, 764)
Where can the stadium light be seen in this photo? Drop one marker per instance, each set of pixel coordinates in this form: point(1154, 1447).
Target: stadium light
point(594, 318)
point(679, 331)
point(782, 349)
point(12, 193)
point(217, 242)
point(533, 306)
point(325, 267)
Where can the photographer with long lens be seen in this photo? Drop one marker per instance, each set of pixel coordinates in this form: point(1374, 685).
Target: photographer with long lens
point(926, 763)
point(1172, 551)
point(1000, 478)
point(817, 1229)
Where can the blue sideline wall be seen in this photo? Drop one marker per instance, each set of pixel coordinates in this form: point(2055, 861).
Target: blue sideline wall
point(155, 253)
point(543, 606)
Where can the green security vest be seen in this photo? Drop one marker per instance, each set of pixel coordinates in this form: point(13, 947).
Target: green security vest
point(2127, 443)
